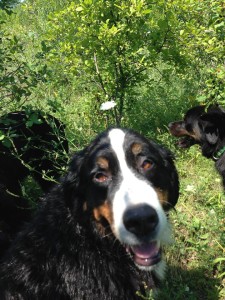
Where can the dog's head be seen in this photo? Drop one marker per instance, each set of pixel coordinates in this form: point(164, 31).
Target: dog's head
point(126, 184)
point(188, 129)
point(201, 126)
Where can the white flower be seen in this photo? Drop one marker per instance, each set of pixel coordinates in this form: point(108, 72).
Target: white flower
point(190, 188)
point(107, 105)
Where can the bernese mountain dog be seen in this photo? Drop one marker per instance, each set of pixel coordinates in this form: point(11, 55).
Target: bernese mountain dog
point(100, 233)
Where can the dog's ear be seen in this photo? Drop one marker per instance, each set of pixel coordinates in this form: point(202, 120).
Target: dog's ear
point(174, 181)
point(71, 182)
point(208, 125)
point(171, 177)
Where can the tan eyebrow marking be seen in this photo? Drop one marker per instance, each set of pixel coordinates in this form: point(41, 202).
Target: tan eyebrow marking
point(136, 148)
point(103, 163)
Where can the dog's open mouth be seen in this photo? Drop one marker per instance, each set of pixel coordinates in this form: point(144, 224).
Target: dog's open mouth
point(186, 142)
point(146, 255)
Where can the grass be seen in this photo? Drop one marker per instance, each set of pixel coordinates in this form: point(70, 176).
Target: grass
point(195, 261)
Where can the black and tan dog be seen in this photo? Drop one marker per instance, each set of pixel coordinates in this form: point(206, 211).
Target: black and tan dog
point(100, 232)
point(206, 127)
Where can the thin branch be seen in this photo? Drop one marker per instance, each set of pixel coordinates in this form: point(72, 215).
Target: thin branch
point(164, 41)
point(136, 73)
point(13, 71)
point(99, 75)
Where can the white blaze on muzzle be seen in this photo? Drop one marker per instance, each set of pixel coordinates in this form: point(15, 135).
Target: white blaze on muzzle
point(133, 190)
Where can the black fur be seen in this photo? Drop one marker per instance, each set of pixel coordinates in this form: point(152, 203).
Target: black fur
point(27, 149)
point(63, 254)
point(206, 127)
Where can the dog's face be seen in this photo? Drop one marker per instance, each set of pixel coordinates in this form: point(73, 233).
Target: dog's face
point(201, 126)
point(188, 129)
point(127, 184)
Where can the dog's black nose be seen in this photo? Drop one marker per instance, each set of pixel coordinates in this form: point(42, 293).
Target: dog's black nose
point(140, 219)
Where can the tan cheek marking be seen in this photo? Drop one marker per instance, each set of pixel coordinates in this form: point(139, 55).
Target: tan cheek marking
point(182, 132)
point(163, 197)
point(103, 163)
point(136, 148)
point(103, 211)
point(196, 133)
point(85, 206)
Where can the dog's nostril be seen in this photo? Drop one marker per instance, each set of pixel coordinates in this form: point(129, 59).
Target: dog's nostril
point(140, 219)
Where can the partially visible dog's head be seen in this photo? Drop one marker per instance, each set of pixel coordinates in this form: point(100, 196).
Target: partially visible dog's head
point(188, 128)
point(203, 126)
point(127, 184)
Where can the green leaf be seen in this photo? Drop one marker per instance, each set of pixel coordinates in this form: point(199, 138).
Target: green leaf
point(181, 32)
point(204, 236)
point(7, 143)
point(79, 8)
point(219, 259)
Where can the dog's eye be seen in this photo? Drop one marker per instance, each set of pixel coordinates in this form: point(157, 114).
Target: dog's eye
point(100, 177)
point(146, 165)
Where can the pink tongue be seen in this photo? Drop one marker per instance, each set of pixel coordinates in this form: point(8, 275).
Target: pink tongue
point(146, 251)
